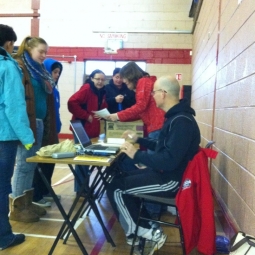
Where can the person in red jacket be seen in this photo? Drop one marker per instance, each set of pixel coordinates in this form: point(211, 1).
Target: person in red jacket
point(145, 108)
point(90, 97)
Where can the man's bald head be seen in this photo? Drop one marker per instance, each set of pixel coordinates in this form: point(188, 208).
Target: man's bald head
point(169, 84)
point(166, 92)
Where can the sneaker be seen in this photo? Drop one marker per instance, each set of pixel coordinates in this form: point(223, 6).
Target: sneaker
point(130, 239)
point(43, 203)
point(49, 197)
point(157, 241)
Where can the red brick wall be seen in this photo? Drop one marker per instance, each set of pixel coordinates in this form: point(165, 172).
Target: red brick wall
point(151, 56)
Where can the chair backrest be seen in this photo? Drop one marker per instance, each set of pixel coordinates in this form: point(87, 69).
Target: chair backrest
point(209, 144)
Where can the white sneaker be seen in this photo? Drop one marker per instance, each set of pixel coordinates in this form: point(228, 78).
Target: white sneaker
point(156, 245)
point(43, 203)
point(157, 241)
point(130, 239)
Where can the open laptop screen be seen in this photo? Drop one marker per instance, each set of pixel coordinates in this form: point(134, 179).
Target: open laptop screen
point(80, 133)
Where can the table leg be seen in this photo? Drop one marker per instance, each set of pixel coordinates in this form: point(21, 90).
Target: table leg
point(65, 216)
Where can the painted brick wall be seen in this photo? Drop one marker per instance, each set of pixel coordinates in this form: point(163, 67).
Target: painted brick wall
point(224, 98)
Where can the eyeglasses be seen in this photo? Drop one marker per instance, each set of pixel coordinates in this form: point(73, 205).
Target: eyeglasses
point(98, 79)
point(154, 91)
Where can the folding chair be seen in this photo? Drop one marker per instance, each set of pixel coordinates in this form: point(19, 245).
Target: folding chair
point(162, 201)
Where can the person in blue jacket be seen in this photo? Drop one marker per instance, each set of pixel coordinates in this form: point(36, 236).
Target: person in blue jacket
point(14, 129)
point(118, 96)
point(41, 194)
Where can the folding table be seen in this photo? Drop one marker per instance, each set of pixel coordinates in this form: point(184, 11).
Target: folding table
point(101, 177)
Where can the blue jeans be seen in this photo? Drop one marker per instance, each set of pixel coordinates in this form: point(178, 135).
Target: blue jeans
point(8, 150)
point(80, 170)
point(24, 173)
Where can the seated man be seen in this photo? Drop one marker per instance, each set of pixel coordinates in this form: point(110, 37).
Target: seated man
point(177, 144)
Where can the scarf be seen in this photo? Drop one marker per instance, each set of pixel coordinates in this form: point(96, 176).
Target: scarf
point(99, 92)
point(38, 72)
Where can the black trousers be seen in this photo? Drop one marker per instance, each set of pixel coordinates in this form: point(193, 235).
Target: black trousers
point(40, 189)
point(144, 181)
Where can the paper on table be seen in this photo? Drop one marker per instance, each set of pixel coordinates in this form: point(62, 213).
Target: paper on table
point(92, 158)
point(102, 113)
point(118, 141)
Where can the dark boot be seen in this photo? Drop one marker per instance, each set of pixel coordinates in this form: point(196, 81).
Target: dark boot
point(19, 211)
point(18, 239)
point(32, 207)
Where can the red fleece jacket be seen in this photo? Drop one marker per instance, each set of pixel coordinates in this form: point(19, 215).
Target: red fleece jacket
point(145, 107)
point(195, 205)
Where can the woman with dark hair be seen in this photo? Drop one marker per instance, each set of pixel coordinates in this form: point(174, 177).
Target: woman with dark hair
point(90, 97)
point(14, 129)
point(145, 108)
point(118, 96)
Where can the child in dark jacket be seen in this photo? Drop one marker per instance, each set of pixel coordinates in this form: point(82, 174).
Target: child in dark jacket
point(118, 96)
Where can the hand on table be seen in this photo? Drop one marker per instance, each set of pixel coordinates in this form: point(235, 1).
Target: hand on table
point(131, 135)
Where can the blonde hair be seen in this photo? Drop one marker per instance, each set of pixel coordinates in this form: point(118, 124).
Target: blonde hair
point(29, 43)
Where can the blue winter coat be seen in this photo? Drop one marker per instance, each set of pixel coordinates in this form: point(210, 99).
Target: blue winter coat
point(14, 123)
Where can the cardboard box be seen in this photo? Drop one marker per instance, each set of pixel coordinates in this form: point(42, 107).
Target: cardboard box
point(116, 129)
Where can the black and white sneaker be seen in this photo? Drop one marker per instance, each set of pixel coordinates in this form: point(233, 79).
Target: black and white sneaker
point(157, 241)
point(130, 239)
point(156, 245)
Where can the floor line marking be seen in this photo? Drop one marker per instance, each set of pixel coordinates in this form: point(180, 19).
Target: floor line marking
point(100, 242)
point(40, 236)
point(63, 179)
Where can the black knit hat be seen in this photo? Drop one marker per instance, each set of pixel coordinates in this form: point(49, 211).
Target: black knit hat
point(56, 65)
point(116, 71)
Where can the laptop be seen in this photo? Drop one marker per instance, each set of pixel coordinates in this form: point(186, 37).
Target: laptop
point(86, 144)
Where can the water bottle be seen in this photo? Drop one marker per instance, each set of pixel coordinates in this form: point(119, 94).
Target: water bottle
point(120, 107)
point(101, 138)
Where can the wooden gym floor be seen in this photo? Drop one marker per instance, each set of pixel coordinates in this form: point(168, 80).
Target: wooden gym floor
point(40, 235)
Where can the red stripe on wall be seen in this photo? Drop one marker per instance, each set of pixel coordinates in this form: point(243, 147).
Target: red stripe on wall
point(149, 55)
point(65, 136)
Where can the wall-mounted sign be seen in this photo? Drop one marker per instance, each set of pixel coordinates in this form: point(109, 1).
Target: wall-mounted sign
point(178, 76)
point(113, 36)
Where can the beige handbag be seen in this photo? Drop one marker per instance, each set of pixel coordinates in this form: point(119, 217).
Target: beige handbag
point(242, 244)
point(64, 146)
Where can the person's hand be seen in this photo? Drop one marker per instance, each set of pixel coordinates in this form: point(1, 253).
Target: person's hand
point(119, 98)
point(128, 149)
point(131, 135)
point(28, 146)
point(90, 118)
point(98, 117)
point(112, 117)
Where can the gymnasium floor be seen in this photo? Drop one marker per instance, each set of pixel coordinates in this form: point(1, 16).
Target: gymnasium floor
point(40, 235)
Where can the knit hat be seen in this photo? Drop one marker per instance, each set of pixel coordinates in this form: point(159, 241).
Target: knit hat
point(56, 65)
point(116, 71)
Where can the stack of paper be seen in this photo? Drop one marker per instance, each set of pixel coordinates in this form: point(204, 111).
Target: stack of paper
point(92, 158)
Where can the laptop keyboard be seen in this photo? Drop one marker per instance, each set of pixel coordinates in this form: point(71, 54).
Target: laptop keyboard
point(97, 147)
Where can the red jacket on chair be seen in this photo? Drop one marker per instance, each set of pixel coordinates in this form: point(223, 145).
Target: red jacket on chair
point(195, 205)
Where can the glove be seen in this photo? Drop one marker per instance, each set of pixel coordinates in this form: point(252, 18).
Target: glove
point(28, 146)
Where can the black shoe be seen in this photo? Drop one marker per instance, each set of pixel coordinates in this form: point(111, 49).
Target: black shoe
point(18, 239)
